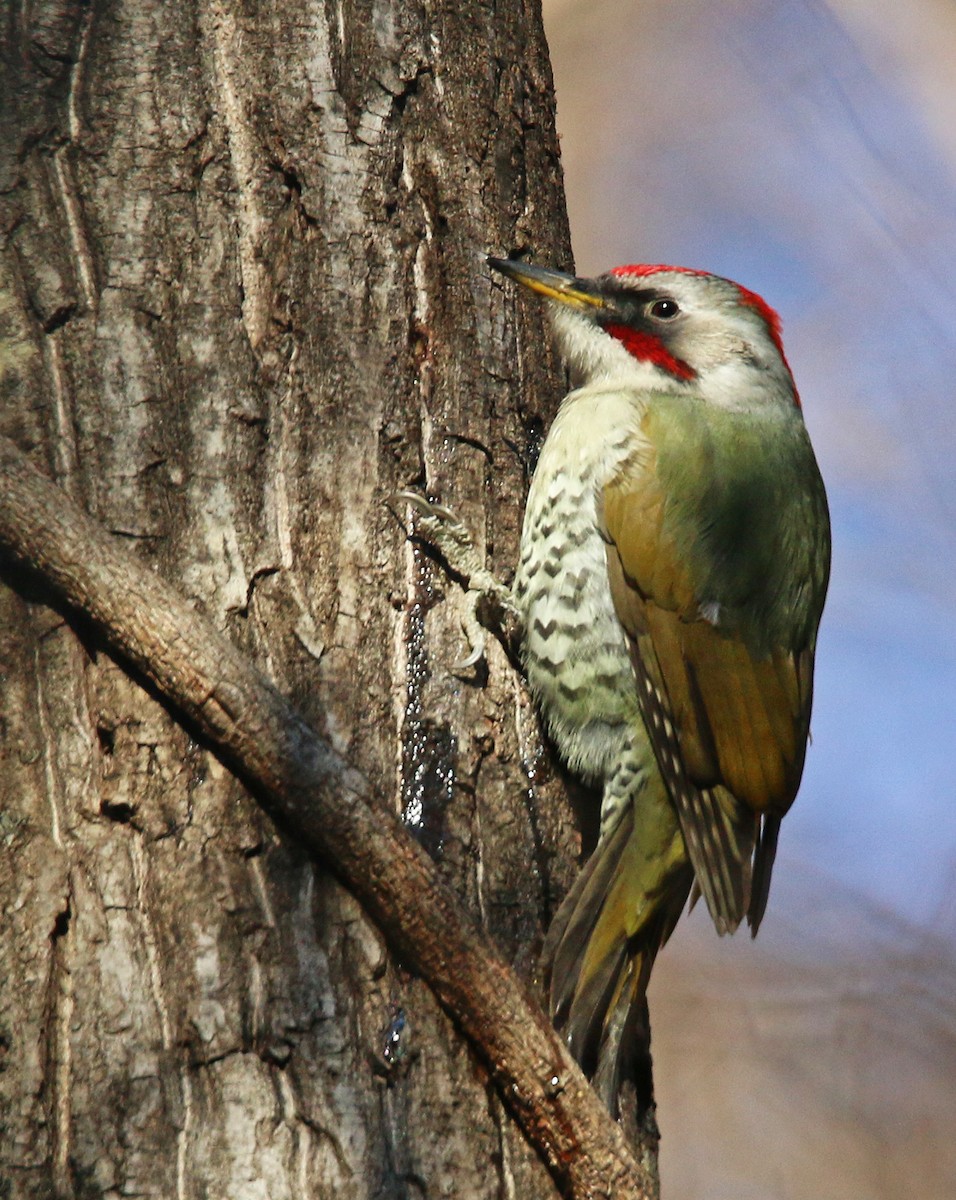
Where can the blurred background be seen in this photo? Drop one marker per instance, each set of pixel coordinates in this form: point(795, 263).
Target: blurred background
point(808, 150)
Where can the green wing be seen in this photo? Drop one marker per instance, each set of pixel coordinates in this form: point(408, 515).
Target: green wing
point(718, 553)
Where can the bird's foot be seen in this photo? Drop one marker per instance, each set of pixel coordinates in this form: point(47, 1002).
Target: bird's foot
point(489, 602)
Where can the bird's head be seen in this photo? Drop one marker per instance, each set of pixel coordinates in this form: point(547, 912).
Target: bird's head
point(663, 328)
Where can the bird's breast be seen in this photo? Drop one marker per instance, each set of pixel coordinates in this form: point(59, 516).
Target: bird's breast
point(575, 653)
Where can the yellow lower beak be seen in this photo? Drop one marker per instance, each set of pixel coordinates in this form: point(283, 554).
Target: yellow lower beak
point(556, 285)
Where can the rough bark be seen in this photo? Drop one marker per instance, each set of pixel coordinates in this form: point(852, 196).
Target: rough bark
point(243, 303)
point(323, 803)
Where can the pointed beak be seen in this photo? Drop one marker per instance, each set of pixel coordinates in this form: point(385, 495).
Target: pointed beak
point(556, 285)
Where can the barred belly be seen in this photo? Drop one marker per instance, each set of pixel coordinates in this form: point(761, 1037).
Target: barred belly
point(575, 653)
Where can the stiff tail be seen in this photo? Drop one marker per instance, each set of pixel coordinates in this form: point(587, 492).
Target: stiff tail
point(603, 941)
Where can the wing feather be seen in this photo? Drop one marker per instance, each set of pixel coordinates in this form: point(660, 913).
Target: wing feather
point(728, 718)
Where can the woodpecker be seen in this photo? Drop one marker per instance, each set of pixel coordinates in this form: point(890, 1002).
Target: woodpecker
point(674, 563)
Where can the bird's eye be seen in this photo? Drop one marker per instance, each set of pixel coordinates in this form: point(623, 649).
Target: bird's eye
point(665, 310)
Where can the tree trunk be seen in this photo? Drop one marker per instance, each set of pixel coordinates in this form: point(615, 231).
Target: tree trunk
point(242, 253)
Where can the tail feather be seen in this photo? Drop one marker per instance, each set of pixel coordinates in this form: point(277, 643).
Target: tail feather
point(602, 944)
point(627, 1037)
point(596, 994)
point(575, 920)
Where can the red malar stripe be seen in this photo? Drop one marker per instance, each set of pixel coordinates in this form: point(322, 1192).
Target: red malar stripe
point(647, 348)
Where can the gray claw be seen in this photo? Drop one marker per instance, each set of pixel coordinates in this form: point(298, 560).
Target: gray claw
point(474, 634)
point(425, 507)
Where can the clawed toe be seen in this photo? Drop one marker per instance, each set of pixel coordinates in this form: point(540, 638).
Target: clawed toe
point(441, 527)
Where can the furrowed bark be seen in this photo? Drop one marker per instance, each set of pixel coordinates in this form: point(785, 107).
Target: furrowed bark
point(319, 798)
point(243, 303)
